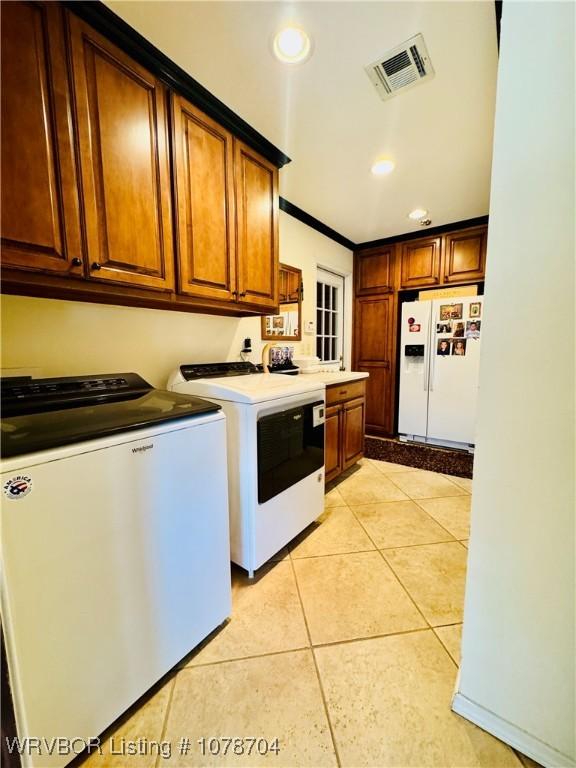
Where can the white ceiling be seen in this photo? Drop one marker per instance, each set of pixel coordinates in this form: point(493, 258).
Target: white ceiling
point(326, 115)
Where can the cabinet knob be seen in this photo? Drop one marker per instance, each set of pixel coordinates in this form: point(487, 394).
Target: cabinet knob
point(96, 266)
point(76, 262)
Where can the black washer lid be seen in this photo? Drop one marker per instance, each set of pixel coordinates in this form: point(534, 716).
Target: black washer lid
point(85, 408)
point(27, 395)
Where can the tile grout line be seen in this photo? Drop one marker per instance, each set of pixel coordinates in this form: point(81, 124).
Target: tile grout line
point(166, 715)
point(395, 576)
point(404, 587)
point(421, 544)
point(415, 501)
point(312, 646)
point(401, 546)
point(445, 647)
point(434, 519)
point(217, 662)
point(402, 584)
point(380, 636)
point(322, 692)
point(405, 468)
point(399, 501)
point(375, 549)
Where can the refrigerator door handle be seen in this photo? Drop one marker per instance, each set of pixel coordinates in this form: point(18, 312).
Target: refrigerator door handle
point(432, 367)
point(426, 367)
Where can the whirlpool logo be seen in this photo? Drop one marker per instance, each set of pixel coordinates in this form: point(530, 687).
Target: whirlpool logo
point(143, 448)
point(17, 487)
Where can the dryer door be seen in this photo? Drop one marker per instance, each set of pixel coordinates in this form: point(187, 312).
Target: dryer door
point(290, 447)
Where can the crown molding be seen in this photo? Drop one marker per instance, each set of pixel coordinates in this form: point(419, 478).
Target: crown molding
point(115, 29)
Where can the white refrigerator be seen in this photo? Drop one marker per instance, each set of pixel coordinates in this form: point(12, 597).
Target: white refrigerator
point(439, 362)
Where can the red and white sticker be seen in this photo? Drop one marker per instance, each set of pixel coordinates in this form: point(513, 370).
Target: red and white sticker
point(17, 487)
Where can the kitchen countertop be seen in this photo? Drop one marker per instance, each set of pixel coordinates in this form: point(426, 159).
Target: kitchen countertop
point(334, 377)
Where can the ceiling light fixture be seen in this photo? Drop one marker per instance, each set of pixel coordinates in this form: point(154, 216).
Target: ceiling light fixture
point(383, 166)
point(292, 45)
point(418, 214)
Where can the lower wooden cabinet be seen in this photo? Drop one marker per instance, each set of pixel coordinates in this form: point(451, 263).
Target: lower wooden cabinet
point(344, 428)
point(333, 436)
point(353, 431)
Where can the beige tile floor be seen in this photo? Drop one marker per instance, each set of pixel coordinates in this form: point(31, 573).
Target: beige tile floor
point(344, 649)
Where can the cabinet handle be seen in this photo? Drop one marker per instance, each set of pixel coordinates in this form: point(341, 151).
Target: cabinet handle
point(343, 392)
point(234, 294)
point(95, 266)
point(241, 295)
point(76, 262)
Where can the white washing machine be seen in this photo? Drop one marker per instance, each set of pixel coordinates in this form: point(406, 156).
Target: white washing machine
point(275, 432)
point(114, 548)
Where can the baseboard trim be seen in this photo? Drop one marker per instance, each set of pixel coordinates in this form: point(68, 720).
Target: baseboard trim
point(510, 734)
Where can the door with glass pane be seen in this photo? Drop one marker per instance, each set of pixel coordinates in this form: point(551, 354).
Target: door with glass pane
point(329, 316)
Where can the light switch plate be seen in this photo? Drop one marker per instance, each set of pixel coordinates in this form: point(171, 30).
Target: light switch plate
point(309, 326)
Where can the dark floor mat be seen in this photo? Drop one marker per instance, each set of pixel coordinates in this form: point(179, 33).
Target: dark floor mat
point(443, 460)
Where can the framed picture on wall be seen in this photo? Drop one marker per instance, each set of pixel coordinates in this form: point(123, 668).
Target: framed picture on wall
point(475, 309)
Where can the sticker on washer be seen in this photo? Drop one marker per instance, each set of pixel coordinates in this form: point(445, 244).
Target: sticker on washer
point(17, 487)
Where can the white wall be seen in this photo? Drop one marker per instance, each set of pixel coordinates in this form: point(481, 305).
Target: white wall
point(303, 247)
point(67, 338)
point(518, 655)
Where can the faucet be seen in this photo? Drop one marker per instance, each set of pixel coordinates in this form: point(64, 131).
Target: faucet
point(265, 358)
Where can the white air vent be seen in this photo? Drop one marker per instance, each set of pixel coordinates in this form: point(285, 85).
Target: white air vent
point(401, 68)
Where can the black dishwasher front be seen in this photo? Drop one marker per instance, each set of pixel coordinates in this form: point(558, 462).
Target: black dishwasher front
point(290, 447)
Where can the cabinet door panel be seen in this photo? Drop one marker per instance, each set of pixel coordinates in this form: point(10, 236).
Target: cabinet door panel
point(203, 166)
point(293, 284)
point(379, 415)
point(353, 430)
point(374, 353)
point(122, 130)
point(373, 326)
point(421, 262)
point(465, 255)
point(257, 222)
point(40, 210)
point(375, 271)
point(333, 437)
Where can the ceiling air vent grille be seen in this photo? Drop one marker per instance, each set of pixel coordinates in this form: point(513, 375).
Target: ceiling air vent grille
point(401, 68)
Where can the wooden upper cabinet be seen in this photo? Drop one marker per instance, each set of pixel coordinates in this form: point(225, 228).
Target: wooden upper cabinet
point(122, 131)
point(420, 262)
point(205, 217)
point(40, 211)
point(373, 325)
point(257, 227)
point(290, 280)
point(375, 271)
point(465, 255)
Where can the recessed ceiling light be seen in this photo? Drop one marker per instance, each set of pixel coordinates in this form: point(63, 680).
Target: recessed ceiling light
point(417, 214)
point(292, 45)
point(383, 166)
